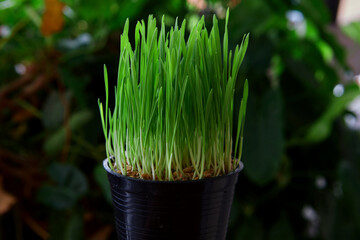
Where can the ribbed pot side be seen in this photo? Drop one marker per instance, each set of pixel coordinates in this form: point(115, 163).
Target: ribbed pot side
point(167, 210)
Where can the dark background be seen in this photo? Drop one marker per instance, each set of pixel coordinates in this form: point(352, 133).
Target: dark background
point(302, 147)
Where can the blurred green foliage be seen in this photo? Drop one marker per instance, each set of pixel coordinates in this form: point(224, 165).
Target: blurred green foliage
point(353, 31)
point(302, 162)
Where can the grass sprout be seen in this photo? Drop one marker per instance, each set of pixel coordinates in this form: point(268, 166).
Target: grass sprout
point(174, 102)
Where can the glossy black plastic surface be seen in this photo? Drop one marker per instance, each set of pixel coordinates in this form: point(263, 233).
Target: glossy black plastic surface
point(170, 210)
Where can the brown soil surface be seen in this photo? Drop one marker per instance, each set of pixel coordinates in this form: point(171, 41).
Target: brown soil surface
point(188, 174)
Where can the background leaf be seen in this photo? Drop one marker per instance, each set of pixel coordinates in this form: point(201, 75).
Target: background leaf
point(56, 142)
point(102, 181)
point(264, 145)
point(69, 185)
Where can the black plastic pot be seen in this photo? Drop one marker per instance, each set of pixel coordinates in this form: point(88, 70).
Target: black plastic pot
point(171, 210)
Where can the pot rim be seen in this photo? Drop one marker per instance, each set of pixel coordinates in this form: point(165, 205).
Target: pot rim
point(108, 169)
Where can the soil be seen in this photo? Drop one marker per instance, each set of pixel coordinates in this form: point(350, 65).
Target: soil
point(188, 174)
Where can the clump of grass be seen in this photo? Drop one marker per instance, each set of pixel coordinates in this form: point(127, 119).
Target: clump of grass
point(174, 102)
